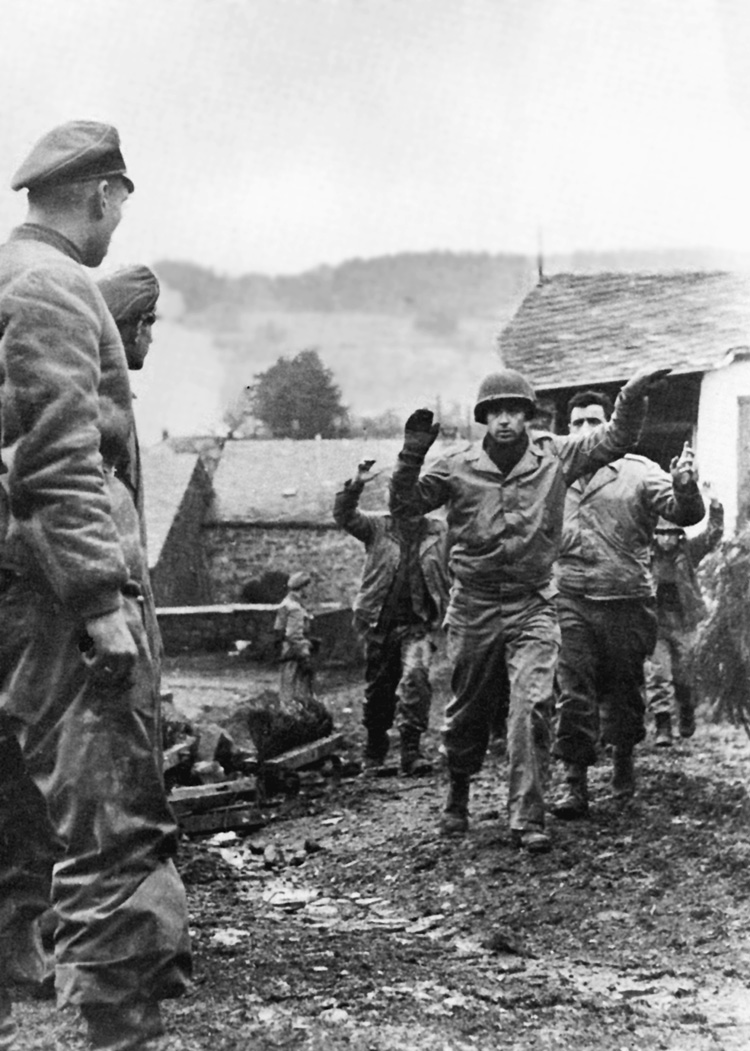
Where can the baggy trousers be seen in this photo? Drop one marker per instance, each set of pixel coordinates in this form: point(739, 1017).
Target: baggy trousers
point(486, 636)
point(600, 674)
point(666, 670)
point(397, 679)
point(90, 756)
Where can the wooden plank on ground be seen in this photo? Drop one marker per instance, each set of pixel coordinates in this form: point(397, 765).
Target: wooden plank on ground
point(306, 753)
point(177, 753)
point(199, 798)
point(224, 819)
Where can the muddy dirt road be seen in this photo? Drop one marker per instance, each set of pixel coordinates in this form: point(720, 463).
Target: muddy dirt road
point(348, 923)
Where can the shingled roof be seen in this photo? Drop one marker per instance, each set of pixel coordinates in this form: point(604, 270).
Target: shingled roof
point(166, 478)
point(260, 482)
point(573, 328)
point(293, 481)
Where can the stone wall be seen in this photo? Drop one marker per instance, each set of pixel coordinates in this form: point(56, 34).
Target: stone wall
point(204, 629)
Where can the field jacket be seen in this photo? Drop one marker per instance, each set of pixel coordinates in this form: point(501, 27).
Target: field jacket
point(66, 522)
point(293, 625)
point(609, 525)
point(382, 556)
point(678, 566)
point(505, 530)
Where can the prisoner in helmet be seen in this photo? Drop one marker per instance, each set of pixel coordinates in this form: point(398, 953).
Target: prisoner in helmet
point(504, 498)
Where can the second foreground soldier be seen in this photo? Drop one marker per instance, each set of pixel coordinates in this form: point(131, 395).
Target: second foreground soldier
point(399, 607)
point(504, 499)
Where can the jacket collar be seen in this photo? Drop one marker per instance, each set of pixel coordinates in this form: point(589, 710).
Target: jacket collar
point(606, 474)
point(477, 455)
point(430, 536)
point(35, 232)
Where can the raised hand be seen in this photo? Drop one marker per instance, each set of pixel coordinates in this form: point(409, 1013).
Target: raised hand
point(683, 468)
point(365, 472)
point(420, 431)
point(643, 380)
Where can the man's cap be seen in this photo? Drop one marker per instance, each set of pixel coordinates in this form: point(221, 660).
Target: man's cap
point(130, 292)
point(80, 149)
point(298, 580)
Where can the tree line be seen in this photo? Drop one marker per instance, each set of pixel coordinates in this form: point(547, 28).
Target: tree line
point(298, 398)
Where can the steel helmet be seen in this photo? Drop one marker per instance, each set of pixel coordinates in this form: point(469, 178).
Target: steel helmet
point(502, 386)
point(663, 525)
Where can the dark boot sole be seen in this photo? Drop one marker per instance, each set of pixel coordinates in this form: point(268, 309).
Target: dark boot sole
point(453, 825)
point(570, 812)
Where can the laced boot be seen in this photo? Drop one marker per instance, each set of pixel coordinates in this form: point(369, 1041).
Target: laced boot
point(574, 803)
point(7, 1025)
point(376, 749)
point(623, 773)
point(123, 1027)
point(455, 819)
point(685, 709)
point(413, 763)
point(663, 738)
point(533, 840)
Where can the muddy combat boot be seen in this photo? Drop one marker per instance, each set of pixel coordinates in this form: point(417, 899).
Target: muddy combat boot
point(533, 840)
point(685, 709)
point(455, 819)
point(7, 1025)
point(574, 803)
point(376, 749)
point(623, 773)
point(413, 763)
point(663, 736)
point(123, 1027)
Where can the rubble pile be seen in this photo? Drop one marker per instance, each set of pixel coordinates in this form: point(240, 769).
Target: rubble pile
point(219, 780)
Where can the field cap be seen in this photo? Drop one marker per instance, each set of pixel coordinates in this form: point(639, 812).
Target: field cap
point(130, 292)
point(298, 580)
point(80, 149)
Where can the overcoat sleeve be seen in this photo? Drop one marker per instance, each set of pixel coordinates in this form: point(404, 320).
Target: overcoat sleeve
point(58, 503)
point(346, 513)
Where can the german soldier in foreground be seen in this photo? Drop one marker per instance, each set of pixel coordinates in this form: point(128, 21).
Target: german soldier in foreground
point(80, 690)
point(505, 501)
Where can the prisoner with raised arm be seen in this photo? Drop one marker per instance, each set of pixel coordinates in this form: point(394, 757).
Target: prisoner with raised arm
point(504, 499)
point(606, 602)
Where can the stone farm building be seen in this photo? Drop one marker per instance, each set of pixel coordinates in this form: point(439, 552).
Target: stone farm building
point(219, 521)
point(177, 500)
point(575, 332)
point(273, 512)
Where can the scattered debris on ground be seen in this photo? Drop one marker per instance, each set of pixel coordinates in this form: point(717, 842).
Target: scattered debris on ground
point(346, 922)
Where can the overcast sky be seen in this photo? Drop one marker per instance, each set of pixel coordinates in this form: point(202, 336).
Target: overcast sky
point(277, 135)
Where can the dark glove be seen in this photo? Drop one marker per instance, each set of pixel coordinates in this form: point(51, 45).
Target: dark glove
point(639, 385)
point(420, 432)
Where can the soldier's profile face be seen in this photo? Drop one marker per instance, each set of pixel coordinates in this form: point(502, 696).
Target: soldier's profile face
point(586, 419)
